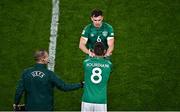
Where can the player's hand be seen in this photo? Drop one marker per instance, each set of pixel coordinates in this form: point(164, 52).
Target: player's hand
point(91, 54)
point(20, 107)
point(107, 54)
point(14, 107)
point(82, 84)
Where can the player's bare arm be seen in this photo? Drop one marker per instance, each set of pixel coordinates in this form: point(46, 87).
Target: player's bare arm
point(110, 43)
point(82, 46)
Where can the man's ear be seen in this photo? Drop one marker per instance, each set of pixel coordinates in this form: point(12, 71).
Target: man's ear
point(91, 18)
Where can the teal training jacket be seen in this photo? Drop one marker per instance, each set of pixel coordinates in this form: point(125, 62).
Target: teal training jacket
point(38, 85)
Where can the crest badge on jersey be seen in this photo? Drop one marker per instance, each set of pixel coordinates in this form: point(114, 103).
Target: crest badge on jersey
point(105, 33)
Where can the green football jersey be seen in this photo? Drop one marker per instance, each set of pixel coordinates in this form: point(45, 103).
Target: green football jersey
point(94, 34)
point(97, 72)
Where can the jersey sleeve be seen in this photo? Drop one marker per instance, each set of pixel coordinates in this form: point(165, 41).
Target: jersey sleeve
point(85, 32)
point(111, 32)
point(60, 84)
point(110, 65)
point(19, 90)
point(84, 64)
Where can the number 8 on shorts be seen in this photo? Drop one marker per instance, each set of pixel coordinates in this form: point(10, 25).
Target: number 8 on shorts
point(96, 72)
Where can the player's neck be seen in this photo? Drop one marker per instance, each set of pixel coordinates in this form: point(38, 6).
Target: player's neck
point(40, 62)
point(97, 26)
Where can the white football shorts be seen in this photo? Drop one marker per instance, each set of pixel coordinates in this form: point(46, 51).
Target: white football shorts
point(93, 107)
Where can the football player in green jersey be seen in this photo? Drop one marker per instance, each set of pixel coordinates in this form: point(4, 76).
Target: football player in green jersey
point(96, 75)
point(38, 85)
point(97, 31)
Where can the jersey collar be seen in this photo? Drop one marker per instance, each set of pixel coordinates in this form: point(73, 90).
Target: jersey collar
point(40, 65)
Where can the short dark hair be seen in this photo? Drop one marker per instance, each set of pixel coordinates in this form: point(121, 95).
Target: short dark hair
point(96, 13)
point(99, 49)
point(39, 54)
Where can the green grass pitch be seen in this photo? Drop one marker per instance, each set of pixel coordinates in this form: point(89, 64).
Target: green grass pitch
point(146, 59)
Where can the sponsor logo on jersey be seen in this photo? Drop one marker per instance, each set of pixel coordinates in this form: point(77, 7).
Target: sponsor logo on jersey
point(105, 33)
point(92, 35)
point(37, 74)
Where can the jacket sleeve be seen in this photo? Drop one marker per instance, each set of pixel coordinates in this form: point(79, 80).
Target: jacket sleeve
point(60, 84)
point(19, 90)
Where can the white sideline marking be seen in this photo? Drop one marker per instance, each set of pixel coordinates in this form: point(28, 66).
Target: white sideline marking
point(53, 34)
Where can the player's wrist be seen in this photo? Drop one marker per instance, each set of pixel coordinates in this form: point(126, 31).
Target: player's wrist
point(15, 107)
point(108, 54)
point(91, 54)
